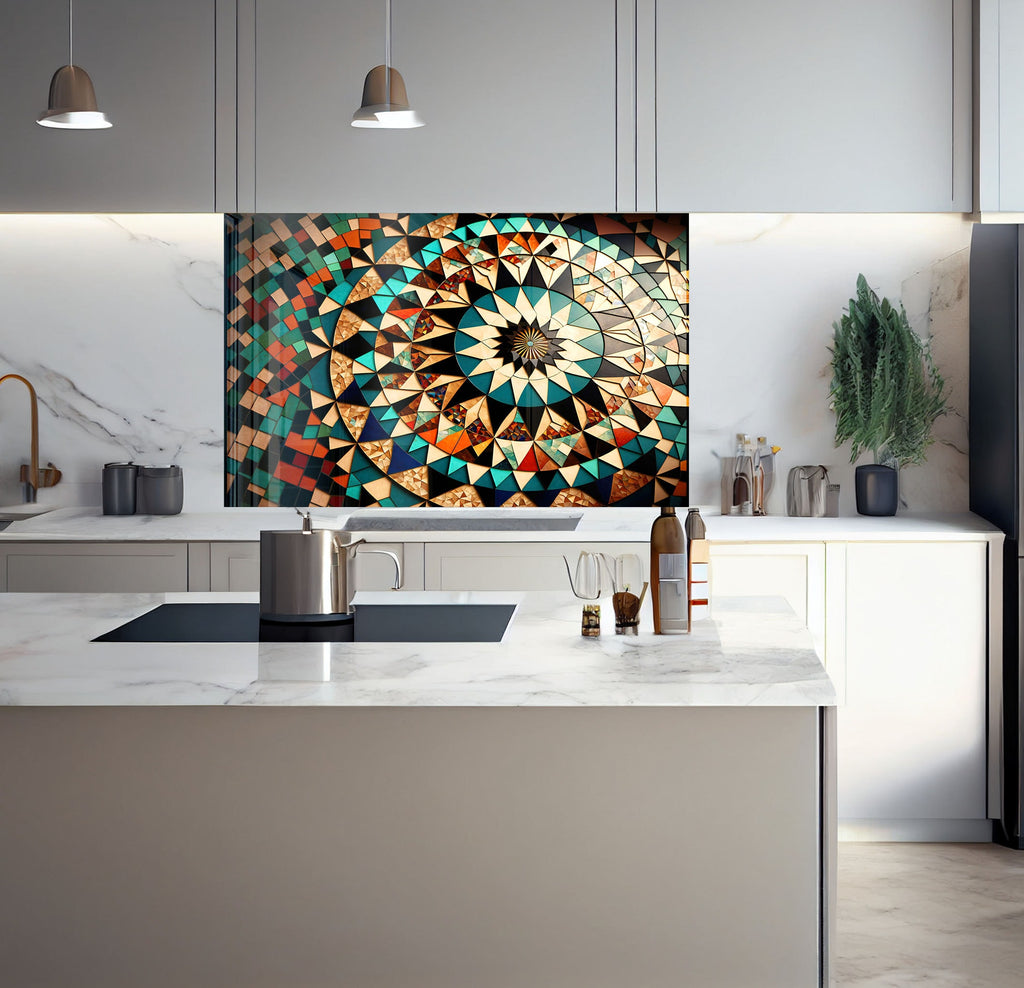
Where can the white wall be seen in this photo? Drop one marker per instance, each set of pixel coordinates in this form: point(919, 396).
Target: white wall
point(118, 321)
point(765, 290)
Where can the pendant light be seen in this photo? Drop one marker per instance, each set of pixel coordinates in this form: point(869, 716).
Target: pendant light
point(72, 104)
point(385, 102)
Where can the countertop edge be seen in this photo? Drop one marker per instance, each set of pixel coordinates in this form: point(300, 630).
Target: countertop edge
point(70, 525)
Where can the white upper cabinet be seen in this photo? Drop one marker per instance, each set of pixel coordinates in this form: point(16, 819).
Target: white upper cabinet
point(518, 100)
point(152, 65)
point(805, 106)
point(999, 106)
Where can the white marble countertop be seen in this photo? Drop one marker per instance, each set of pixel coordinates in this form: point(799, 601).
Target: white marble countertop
point(753, 652)
point(595, 525)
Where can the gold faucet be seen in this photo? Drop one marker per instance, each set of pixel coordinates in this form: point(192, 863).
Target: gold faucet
point(30, 477)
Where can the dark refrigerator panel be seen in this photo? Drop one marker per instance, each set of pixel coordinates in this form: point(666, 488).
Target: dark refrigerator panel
point(996, 485)
point(994, 377)
point(1007, 830)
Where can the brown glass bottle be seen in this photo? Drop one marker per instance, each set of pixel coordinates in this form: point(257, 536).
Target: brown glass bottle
point(668, 573)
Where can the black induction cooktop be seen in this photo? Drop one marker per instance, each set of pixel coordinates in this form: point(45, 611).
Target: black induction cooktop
point(234, 622)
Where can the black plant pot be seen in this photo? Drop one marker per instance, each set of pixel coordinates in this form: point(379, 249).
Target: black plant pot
point(878, 489)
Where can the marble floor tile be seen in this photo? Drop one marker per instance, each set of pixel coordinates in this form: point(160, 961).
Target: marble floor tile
point(942, 915)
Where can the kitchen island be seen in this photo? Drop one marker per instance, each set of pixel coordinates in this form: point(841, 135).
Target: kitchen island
point(541, 810)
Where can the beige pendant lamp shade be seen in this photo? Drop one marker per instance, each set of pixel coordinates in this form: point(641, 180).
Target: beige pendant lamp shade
point(385, 106)
point(385, 101)
point(72, 103)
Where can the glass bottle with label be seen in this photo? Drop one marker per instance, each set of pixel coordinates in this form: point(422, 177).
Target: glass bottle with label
point(668, 574)
point(764, 474)
point(743, 477)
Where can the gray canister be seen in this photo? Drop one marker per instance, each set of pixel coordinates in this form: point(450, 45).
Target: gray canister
point(159, 490)
point(119, 488)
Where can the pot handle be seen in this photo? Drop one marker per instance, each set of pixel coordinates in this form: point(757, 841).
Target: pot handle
point(398, 565)
point(345, 547)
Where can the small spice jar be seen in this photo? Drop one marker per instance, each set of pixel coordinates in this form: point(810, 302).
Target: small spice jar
point(591, 627)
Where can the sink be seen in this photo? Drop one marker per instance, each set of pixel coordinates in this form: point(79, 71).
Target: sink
point(240, 622)
point(18, 512)
point(470, 520)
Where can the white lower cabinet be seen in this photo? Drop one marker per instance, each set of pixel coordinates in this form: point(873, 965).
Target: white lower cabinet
point(512, 565)
point(94, 567)
point(234, 566)
point(912, 732)
point(794, 571)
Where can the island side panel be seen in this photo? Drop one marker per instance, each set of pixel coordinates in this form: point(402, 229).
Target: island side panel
point(426, 847)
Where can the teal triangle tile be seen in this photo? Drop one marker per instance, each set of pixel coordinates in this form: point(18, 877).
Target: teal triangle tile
point(417, 220)
point(530, 397)
point(579, 316)
point(556, 393)
point(501, 477)
point(504, 393)
point(534, 293)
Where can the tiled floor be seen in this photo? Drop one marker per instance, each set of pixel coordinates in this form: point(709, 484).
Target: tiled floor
point(941, 915)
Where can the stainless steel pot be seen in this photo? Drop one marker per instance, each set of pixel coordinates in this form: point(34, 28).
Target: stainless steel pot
point(308, 573)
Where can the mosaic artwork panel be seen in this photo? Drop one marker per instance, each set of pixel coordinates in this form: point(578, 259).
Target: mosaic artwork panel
point(456, 360)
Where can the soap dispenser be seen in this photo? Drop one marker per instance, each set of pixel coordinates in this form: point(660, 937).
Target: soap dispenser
point(668, 573)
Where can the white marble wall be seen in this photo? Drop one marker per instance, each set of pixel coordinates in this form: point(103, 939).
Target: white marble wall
point(765, 292)
point(118, 321)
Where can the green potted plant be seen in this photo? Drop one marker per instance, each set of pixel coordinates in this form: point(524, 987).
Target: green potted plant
point(886, 393)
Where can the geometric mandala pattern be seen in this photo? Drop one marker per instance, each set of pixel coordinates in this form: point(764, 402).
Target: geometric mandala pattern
point(457, 360)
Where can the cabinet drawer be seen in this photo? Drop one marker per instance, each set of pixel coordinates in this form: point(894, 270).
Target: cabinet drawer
point(95, 568)
point(510, 565)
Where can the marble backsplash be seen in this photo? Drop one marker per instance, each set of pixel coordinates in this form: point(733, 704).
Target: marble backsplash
point(118, 321)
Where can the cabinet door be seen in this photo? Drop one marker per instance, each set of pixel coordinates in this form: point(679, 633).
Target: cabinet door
point(518, 100)
point(795, 572)
point(912, 752)
point(236, 566)
point(102, 567)
point(513, 565)
point(1000, 66)
point(799, 105)
point(153, 69)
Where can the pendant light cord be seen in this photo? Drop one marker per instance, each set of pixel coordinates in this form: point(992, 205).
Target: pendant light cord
point(71, 32)
point(387, 52)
